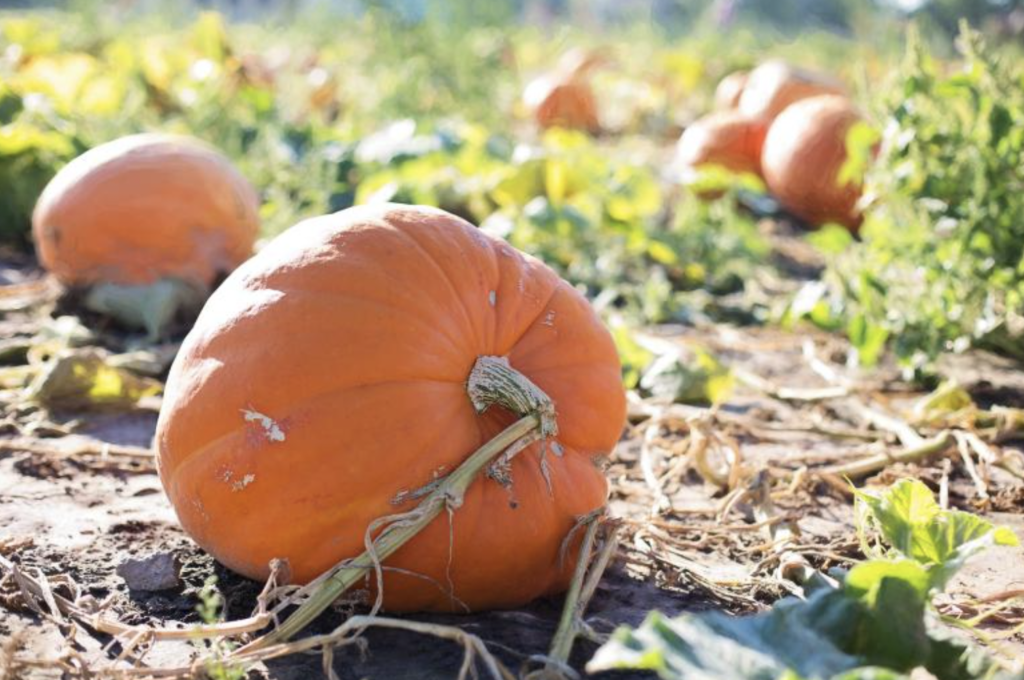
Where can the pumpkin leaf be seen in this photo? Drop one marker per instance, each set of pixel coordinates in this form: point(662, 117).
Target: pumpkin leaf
point(714, 646)
point(916, 527)
point(148, 307)
point(877, 623)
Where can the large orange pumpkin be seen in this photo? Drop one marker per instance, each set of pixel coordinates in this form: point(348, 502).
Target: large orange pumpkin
point(327, 377)
point(564, 97)
point(730, 89)
point(142, 208)
point(803, 154)
point(725, 138)
point(774, 85)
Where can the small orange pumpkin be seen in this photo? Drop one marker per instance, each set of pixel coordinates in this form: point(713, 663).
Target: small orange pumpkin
point(730, 89)
point(564, 97)
point(327, 378)
point(142, 208)
point(774, 85)
point(803, 154)
point(725, 138)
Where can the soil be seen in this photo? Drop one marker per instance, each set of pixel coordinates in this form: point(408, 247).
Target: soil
point(64, 512)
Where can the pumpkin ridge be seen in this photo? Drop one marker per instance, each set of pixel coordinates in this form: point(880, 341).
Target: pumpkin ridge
point(533, 322)
point(453, 290)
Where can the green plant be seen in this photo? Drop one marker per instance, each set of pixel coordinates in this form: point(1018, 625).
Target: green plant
point(877, 623)
point(216, 650)
point(941, 266)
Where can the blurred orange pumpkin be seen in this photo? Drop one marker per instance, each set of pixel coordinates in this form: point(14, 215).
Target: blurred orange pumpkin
point(142, 208)
point(564, 97)
point(803, 154)
point(279, 438)
point(730, 89)
point(774, 85)
point(725, 138)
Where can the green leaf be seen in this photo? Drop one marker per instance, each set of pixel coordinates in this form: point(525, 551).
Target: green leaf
point(714, 646)
point(910, 521)
point(861, 140)
point(149, 307)
point(831, 239)
point(633, 357)
point(868, 338)
point(891, 631)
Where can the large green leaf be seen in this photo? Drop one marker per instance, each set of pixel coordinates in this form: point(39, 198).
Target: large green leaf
point(718, 647)
point(914, 525)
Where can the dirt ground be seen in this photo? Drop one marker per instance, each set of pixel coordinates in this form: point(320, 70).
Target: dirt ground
point(687, 543)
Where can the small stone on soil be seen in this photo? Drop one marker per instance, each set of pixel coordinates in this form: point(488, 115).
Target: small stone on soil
point(156, 572)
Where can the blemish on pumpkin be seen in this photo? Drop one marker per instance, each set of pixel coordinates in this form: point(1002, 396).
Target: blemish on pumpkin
point(549, 318)
point(557, 449)
point(198, 505)
point(226, 475)
point(521, 286)
point(492, 297)
point(244, 482)
point(270, 427)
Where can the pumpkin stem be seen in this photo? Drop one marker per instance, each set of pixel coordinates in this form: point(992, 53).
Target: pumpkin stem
point(494, 381)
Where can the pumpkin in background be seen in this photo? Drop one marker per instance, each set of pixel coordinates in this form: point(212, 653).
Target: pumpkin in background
point(564, 97)
point(145, 225)
point(730, 89)
point(143, 208)
point(774, 85)
point(803, 154)
point(725, 138)
point(327, 378)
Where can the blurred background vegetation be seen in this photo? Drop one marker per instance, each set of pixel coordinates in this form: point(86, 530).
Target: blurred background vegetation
point(326, 104)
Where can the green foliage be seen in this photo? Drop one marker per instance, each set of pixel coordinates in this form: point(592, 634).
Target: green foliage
point(696, 377)
point(215, 650)
point(407, 111)
point(909, 520)
point(30, 150)
point(877, 623)
point(941, 265)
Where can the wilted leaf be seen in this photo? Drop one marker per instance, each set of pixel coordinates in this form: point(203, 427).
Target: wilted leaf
point(82, 379)
point(694, 378)
point(946, 399)
point(149, 307)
